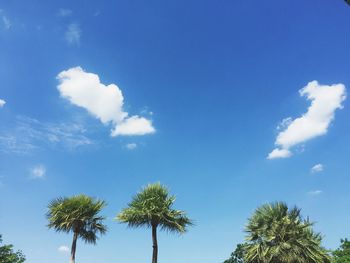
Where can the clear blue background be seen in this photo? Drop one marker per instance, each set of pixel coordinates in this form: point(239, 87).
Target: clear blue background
point(218, 75)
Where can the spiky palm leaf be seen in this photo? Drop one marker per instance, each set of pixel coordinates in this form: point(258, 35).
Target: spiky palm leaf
point(279, 234)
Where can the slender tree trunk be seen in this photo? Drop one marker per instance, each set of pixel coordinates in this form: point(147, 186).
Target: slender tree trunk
point(155, 244)
point(74, 247)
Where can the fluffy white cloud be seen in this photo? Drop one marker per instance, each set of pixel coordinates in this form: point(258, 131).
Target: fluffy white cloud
point(325, 100)
point(2, 103)
point(134, 125)
point(38, 172)
point(105, 102)
point(73, 34)
point(317, 168)
point(131, 146)
point(63, 249)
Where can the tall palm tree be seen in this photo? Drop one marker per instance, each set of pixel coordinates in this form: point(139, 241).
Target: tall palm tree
point(277, 233)
point(77, 214)
point(153, 208)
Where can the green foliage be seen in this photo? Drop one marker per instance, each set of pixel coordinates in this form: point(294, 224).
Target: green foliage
point(342, 254)
point(279, 234)
point(78, 214)
point(153, 206)
point(237, 256)
point(7, 255)
point(348, 2)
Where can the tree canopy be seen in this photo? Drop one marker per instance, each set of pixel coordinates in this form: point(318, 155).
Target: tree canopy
point(78, 214)
point(8, 255)
point(342, 254)
point(277, 233)
point(237, 256)
point(153, 206)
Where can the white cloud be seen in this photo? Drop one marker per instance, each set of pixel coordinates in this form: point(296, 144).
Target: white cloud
point(134, 125)
point(325, 100)
point(104, 102)
point(38, 172)
point(64, 12)
point(73, 34)
point(317, 168)
point(2, 103)
point(279, 153)
point(315, 192)
point(131, 146)
point(64, 249)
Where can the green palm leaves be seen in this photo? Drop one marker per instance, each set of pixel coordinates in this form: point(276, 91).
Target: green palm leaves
point(78, 215)
point(153, 208)
point(279, 234)
point(275, 232)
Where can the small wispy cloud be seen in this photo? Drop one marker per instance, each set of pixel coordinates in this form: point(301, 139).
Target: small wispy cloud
point(97, 13)
point(317, 168)
point(2, 103)
point(131, 146)
point(73, 34)
point(63, 249)
point(6, 23)
point(38, 172)
point(63, 12)
point(28, 134)
point(315, 192)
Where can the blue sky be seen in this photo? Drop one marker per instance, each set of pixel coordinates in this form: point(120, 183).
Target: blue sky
point(200, 91)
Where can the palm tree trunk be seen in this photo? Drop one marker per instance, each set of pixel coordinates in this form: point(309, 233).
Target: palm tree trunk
point(155, 244)
point(74, 247)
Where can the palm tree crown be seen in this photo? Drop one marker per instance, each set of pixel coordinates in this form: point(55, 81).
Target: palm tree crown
point(153, 207)
point(279, 234)
point(78, 214)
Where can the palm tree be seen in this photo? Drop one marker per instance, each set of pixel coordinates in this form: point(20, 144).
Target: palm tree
point(78, 214)
point(277, 233)
point(152, 208)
